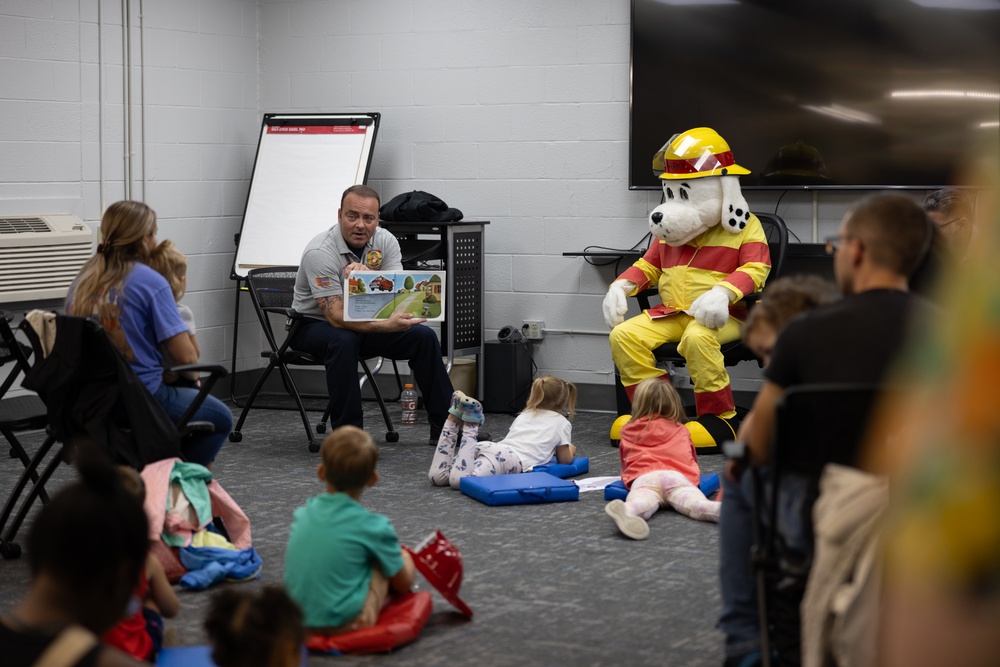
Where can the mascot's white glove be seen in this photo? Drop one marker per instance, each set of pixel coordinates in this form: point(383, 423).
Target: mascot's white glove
point(711, 309)
point(616, 302)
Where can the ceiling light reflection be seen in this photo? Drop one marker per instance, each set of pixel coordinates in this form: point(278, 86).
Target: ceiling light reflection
point(958, 4)
point(844, 113)
point(947, 94)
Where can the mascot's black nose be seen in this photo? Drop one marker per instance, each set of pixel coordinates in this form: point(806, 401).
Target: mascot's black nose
point(657, 216)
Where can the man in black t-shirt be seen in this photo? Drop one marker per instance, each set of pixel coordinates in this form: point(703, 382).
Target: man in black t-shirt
point(880, 242)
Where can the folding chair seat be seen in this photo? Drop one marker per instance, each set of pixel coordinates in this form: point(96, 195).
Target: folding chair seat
point(271, 292)
point(815, 425)
point(91, 394)
point(735, 351)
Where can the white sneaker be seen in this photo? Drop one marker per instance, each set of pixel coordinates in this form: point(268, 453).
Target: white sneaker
point(631, 526)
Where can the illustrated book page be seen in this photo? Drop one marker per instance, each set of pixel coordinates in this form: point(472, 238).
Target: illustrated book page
point(376, 295)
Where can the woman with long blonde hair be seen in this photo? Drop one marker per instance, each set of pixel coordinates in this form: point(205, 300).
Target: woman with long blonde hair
point(136, 306)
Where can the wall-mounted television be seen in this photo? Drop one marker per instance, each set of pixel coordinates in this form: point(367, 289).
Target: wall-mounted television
point(818, 93)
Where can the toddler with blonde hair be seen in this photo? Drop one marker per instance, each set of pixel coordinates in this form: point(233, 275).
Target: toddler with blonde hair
point(659, 463)
point(167, 260)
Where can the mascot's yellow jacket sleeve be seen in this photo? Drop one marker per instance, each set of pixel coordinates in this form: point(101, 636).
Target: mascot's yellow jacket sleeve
point(739, 262)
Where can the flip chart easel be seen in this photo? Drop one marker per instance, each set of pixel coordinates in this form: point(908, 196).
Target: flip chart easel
point(304, 163)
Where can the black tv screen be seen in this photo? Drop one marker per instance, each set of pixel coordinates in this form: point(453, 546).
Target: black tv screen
point(818, 93)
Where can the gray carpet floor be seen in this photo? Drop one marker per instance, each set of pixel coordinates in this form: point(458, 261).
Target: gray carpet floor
point(550, 584)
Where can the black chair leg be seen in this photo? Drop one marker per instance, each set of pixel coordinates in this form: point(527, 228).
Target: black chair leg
point(622, 402)
point(235, 435)
point(762, 561)
point(391, 435)
point(399, 382)
point(786, 623)
point(313, 443)
point(8, 549)
point(286, 377)
point(17, 451)
point(11, 533)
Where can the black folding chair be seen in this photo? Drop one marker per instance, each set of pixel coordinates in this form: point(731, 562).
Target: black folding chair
point(271, 292)
point(815, 425)
point(92, 395)
point(24, 413)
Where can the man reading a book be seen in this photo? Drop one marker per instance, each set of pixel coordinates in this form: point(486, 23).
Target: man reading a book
point(357, 243)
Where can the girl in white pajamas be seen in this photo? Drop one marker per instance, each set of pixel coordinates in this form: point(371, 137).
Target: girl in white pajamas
point(540, 431)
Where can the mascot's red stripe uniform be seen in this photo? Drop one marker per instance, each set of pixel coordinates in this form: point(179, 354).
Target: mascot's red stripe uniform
point(739, 262)
point(708, 252)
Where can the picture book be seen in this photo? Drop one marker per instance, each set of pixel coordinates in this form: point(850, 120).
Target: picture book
point(376, 295)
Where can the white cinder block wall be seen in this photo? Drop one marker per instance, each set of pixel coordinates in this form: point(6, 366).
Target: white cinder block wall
point(201, 121)
point(515, 111)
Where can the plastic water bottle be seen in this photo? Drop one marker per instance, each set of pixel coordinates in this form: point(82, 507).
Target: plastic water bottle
point(408, 403)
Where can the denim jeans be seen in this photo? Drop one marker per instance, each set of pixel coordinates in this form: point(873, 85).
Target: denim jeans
point(340, 350)
point(200, 448)
point(740, 620)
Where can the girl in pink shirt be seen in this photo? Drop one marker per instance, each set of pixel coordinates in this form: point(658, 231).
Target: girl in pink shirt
point(659, 463)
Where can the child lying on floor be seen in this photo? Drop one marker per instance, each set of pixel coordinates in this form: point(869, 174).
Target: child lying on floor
point(659, 463)
point(540, 431)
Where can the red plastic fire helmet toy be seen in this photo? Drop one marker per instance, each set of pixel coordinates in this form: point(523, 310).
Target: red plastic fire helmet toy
point(441, 564)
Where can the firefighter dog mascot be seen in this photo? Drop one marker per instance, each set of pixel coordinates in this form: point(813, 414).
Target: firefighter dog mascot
point(707, 252)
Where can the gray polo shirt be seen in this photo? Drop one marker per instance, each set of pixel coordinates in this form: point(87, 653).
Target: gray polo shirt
point(321, 271)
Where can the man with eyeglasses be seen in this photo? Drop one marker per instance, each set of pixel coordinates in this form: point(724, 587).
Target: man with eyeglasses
point(950, 210)
point(358, 243)
point(854, 340)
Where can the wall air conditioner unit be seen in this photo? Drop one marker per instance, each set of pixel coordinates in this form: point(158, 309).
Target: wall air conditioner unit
point(41, 255)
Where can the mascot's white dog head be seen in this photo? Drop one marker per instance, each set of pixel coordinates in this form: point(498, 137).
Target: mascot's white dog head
point(701, 187)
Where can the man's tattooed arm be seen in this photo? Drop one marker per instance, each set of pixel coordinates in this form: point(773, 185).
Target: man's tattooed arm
point(332, 308)
point(333, 311)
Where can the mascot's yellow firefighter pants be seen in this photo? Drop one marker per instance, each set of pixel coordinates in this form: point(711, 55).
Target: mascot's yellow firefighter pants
point(633, 342)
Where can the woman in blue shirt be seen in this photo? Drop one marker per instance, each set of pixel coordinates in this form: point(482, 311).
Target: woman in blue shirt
point(136, 307)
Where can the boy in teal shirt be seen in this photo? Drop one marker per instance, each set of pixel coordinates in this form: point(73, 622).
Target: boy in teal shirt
point(343, 560)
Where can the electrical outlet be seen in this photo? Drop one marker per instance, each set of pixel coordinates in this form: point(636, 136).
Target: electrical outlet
point(533, 329)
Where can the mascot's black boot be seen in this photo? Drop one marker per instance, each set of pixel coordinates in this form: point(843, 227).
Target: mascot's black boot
point(708, 432)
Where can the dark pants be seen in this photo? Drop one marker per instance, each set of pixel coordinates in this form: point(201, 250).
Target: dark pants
point(340, 349)
point(154, 626)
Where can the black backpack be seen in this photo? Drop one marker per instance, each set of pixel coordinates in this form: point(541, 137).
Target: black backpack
point(418, 206)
